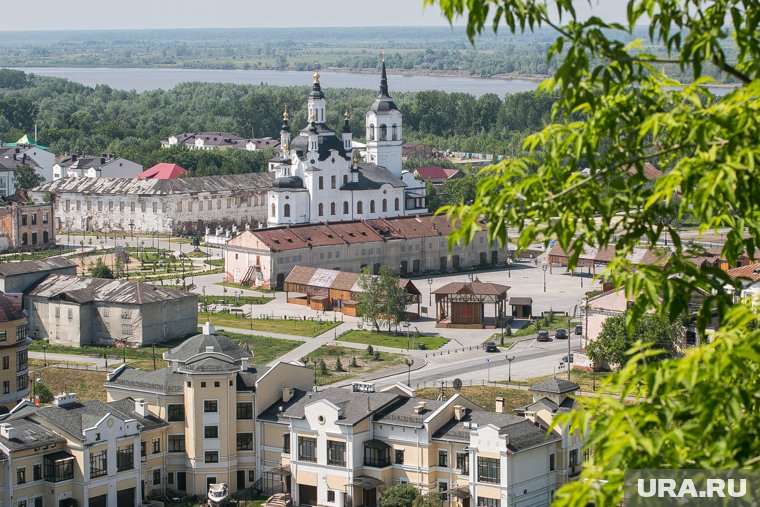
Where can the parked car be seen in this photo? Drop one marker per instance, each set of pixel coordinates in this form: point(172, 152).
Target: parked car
point(579, 330)
point(543, 336)
point(561, 334)
point(491, 347)
point(565, 359)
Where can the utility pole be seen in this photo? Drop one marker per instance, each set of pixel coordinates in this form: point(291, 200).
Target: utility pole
point(509, 362)
point(569, 366)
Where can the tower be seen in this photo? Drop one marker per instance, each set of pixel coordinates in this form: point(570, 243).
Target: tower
point(383, 122)
point(347, 135)
point(285, 133)
point(317, 100)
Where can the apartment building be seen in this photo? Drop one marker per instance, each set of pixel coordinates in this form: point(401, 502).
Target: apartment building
point(26, 225)
point(107, 165)
point(14, 345)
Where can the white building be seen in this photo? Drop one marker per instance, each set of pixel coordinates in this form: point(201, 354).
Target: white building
point(218, 141)
point(90, 166)
point(319, 178)
point(32, 155)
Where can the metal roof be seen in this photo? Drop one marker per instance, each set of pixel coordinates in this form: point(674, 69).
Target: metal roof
point(25, 267)
point(82, 289)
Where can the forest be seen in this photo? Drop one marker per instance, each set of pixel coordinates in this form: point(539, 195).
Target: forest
point(75, 118)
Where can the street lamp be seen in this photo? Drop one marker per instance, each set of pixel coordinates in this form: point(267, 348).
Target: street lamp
point(409, 364)
point(132, 228)
point(44, 351)
point(544, 267)
point(406, 324)
point(430, 291)
point(489, 369)
point(509, 362)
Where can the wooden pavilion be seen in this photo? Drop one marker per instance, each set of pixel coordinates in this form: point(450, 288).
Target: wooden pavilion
point(463, 304)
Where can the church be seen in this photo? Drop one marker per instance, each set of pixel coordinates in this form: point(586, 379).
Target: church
point(320, 178)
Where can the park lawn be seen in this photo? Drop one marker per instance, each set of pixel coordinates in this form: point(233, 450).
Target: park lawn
point(390, 340)
point(483, 396)
point(264, 348)
point(531, 329)
point(366, 363)
point(214, 262)
point(307, 328)
point(87, 384)
point(234, 300)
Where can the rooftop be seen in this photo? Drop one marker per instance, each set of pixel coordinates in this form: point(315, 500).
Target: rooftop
point(204, 343)
point(330, 278)
point(26, 267)
point(162, 171)
point(555, 386)
point(83, 289)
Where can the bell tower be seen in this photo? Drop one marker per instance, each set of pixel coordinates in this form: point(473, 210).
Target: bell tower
point(383, 123)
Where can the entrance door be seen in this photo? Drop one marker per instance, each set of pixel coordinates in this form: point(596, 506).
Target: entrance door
point(370, 497)
point(240, 479)
point(99, 501)
point(181, 481)
point(307, 495)
point(455, 261)
point(125, 498)
point(209, 482)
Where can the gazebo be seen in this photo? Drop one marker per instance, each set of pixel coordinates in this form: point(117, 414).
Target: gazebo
point(463, 304)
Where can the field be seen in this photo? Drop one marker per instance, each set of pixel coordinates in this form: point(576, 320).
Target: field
point(483, 396)
point(400, 341)
point(307, 328)
point(87, 384)
point(365, 363)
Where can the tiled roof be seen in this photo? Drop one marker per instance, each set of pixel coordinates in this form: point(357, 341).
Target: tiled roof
point(8, 310)
point(83, 289)
point(29, 434)
point(162, 171)
point(199, 343)
point(74, 418)
point(127, 406)
point(750, 271)
point(402, 412)
point(649, 171)
point(476, 287)
point(24, 267)
point(555, 386)
point(373, 177)
point(328, 278)
point(437, 173)
point(639, 256)
point(520, 300)
point(198, 184)
point(162, 380)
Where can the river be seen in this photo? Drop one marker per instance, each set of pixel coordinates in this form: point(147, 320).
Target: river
point(152, 78)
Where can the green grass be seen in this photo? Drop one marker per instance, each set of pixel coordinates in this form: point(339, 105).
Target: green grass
point(366, 363)
point(545, 325)
point(232, 300)
point(28, 256)
point(392, 340)
point(264, 348)
point(214, 262)
point(483, 396)
point(199, 253)
point(306, 328)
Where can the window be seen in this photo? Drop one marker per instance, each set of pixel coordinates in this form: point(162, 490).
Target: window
point(359, 208)
point(376, 455)
point(463, 462)
point(330, 496)
point(332, 208)
point(157, 476)
point(21, 475)
point(2, 333)
point(551, 462)
point(176, 443)
point(321, 208)
point(372, 206)
point(98, 464)
point(143, 450)
point(45, 218)
point(399, 456)
point(274, 210)
point(443, 458)
point(395, 204)
point(45, 237)
point(371, 133)
point(24, 239)
point(126, 314)
point(6, 362)
point(244, 410)
point(23, 219)
point(70, 313)
point(106, 312)
point(170, 478)
point(385, 204)
point(210, 406)
point(211, 457)
point(488, 470)
point(336, 453)
point(443, 487)
point(125, 458)
point(345, 207)
point(203, 384)
point(383, 132)
point(22, 382)
point(155, 206)
point(21, 503)
point(333, 182)
point(345, 179)
point(286, 443)
point(6, 387)
point(286, 210)
point(37, 472)
point(216, 384)
point(321, 182)
point(488, 502)
point(245, 441)
point(175, 413)
point(307, 449)
point(126, 329)
point(574, 468)
point(59, 470)
point(156, 445)
point(211, 432)
point(394, 132)
point(34, 238)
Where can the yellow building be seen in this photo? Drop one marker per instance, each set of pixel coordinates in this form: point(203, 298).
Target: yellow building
point(14, 373)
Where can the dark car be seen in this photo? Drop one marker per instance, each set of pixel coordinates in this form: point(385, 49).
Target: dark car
point(567, 359)
point(579, 330)
point(491, 347)
point(560, 334)
point(543, 336)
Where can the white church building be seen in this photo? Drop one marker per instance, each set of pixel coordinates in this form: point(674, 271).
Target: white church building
point(319, 177)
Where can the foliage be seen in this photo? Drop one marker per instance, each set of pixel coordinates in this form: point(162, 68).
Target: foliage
point(323, 367)
point(429, 500)
point(41, 390)
point(370, 350)
point(614, 340)
point(101, 270)
point(399, 495)
point(616, 111)
point(339, 365)
point(27, 177)
point(381, 300)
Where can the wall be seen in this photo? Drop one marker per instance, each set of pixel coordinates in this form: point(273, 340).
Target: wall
point(9, 348)
point(169, 320)
point(21, 282)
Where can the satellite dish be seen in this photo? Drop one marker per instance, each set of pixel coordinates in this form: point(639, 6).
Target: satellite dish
point(457, 384)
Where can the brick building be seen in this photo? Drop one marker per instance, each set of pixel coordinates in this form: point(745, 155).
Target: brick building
point(26, 225)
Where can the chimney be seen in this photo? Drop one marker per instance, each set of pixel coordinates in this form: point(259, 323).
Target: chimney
point(208, 328)
point(209, 348)
point(287, 394)
point(458, 412)
point(6, 431)
point(102, 160)
point(73, 157)
point(420, 407)
point(140, 407)
point(500, 405)
point(65, 399)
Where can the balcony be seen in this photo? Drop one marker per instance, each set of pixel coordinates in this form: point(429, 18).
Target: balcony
point(58, 467)
point(377, 454)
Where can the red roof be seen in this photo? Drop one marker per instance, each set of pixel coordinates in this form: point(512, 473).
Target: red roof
point(436, 173)
point(162, 171)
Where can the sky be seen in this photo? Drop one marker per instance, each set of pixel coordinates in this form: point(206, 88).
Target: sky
point(136, 14)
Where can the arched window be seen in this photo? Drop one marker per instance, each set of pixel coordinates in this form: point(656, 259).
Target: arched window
point(274, 210)
point(371, 206)
point(359, 208)
point(383, 132)
point(286, 210)
point(332, 208)
point(385, 204)
point(394, 132)
point(345, 207)
point(321, 209)
point(371, 133)
point(396, 204)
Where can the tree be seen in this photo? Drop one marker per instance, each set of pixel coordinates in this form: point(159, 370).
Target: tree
point(339, 365)
point(27, 177)
point(323, 368)
point(100, 270)
point(41, 390)
point(400, 495)
point(382, 300)
point(617, 110)
point(429, 500)
point(615, 341)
